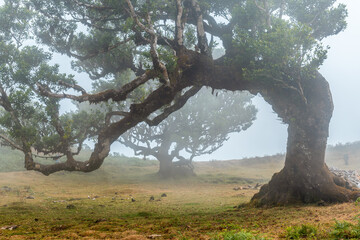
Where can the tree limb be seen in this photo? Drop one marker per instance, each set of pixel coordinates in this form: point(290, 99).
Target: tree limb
point(179, 103)
point(11, 143)
point(179, 23)
point(202, 40)
point(119, 94)
point(114, 113)
point(158, 65)
point(96, 51)
point(92, 6)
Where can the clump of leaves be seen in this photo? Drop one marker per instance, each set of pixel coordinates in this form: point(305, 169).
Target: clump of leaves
point(345, 230)
point(357, 202)
point(242, 235)
point(303, 231)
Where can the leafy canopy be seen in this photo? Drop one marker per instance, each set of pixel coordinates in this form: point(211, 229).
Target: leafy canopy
point(165, 45)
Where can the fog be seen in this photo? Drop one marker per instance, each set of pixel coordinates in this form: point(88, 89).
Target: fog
point(268, 135)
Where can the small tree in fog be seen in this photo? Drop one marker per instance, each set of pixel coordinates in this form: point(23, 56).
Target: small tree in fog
point(200, 127)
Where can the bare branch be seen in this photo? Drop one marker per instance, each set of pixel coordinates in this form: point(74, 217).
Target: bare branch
point(202, 40)
point(115, 113)
point(137, 20)
point(11, 143)
point(73, 86)
point(92, 6)
point(180, 23)
point(95, 52)
point(101, 151)
point(158, 65)
point(179, 103)
point(259, 7)
point(114, 94)
point(282, 6)
point(265, 10)
point(138, 150)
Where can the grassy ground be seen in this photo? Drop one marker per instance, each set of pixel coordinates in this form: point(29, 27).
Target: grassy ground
point(99, 205)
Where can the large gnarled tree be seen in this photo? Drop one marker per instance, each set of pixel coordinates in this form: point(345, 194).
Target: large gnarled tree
point(273, 47)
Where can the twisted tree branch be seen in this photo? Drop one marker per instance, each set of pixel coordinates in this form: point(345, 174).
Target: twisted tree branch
point(179, 103)
point(119, 94)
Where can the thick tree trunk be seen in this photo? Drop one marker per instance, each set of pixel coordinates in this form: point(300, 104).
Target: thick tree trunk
point(166, 167)
point(307, 109)
point(305, 177)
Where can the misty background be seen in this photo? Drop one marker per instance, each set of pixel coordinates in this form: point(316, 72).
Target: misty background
point(268, 135)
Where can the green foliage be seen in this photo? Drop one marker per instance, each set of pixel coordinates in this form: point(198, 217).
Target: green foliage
point(282, 54)
point(96, 43)
point(345, 230)
point(14, 20)
point(242, 235)
point(276, 42)
point(331, 21)
point(304, 231)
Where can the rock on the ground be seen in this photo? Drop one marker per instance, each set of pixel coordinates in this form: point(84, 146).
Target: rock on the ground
point(153, 236)
point(70, 206)
point(351, 176)
point(11, 227)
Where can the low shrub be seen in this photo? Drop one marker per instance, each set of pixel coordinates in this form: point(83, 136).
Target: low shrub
point(303, 231)
point(242, 235)
point(345, 230)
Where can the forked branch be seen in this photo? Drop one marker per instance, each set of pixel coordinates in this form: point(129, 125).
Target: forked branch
point(179, 103)
point(201, 34)
point(158, 65)
point(119, 94)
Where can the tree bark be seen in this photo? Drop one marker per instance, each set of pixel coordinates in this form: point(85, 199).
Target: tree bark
point(165, 167)
point(168, 169)
point(305, 177)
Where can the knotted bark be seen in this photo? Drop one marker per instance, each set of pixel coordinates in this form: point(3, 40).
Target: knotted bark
point(305, 177)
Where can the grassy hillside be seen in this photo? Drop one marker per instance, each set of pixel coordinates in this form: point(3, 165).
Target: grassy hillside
point(125, 199)
point(11, 160)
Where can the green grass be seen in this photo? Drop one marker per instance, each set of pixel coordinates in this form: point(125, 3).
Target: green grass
point(201, 207)
point(238, 235)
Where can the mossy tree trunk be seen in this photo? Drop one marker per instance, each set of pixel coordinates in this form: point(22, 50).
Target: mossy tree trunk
point(305, 177)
